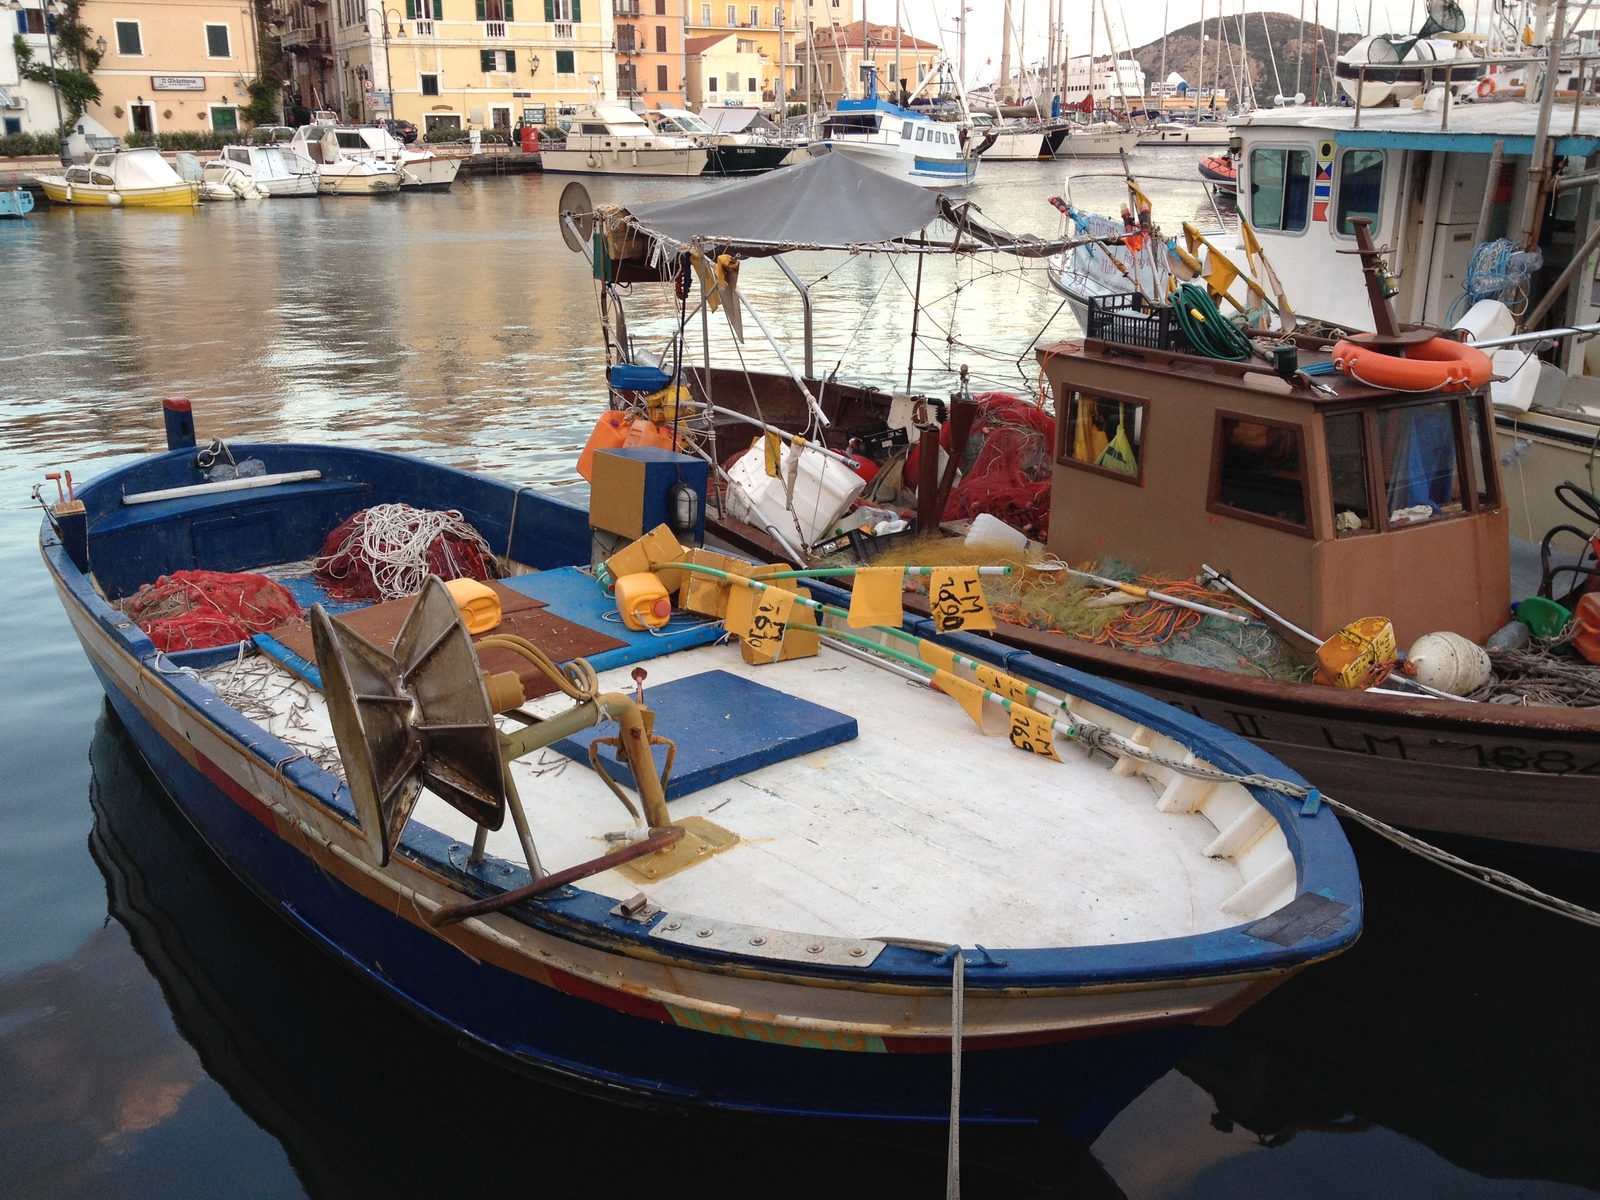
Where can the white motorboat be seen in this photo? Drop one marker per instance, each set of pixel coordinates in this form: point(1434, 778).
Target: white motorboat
point(249, 170)
point(901, 142)
point(730, 153)
point(1102, 139)
point(1185, 133)
point(612, 139)
point(420, 170)
point(341, 174)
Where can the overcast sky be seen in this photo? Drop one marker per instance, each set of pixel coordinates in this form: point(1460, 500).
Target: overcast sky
point(1133, 22)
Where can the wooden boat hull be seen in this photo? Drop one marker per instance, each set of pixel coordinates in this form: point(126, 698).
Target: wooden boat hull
point(87, 195)
point(569, 987)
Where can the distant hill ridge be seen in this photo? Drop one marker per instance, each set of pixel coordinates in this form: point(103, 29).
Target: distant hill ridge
point(1292, 49)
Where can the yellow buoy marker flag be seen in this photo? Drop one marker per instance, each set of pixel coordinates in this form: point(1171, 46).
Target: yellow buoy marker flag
point(1031, 730)
point(1001, 684)
point(875, 597)
point(989, 717)
point(757, 619)
point(937, 656)
point(956, 596)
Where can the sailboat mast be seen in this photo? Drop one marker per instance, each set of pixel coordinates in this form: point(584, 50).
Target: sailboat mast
point(1094, 100)
point(1244, 62)
point(898, 90)
point(1004, 81)
point(1166, 11)
point(1116, 68)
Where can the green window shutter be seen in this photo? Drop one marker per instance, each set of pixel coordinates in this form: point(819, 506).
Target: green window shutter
point(549, 10)
point(486, 58)
point(438, 9)
point(564, 62)
point(480, 10)
point(510, 15)
point(511, 55)
point(577, 12)
point(411, 10)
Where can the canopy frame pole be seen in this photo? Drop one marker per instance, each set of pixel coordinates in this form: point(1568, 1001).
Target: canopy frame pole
point(805, 307)
point(811, 401)
point(916, 311)
point(705, 379)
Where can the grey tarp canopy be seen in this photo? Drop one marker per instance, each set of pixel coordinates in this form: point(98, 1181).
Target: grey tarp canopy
point(831, 200)
point(828, 202)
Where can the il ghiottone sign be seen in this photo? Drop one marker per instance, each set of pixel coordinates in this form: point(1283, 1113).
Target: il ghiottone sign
point(178, 83)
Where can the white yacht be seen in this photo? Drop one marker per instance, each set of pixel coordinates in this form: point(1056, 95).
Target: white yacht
point(612, 139)
point(251, 170)
point(341, 174)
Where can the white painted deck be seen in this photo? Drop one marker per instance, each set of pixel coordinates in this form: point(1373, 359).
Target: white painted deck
point(921, 827)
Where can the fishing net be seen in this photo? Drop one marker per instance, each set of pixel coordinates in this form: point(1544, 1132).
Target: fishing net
point(1006, 468)
point(1052, 601)
point(388, 551)
point(1535, 676)
point(197, 610)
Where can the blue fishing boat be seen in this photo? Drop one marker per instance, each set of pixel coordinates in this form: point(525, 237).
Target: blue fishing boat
point(15, 202)
point(780, 911)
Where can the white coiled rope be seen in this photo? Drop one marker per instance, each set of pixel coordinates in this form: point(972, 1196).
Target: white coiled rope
point(394, 540)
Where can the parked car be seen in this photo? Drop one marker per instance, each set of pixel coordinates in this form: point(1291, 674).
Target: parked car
point(405, 131)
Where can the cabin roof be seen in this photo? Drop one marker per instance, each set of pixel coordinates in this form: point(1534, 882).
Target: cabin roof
point(1474, 126)
point(1320, 389)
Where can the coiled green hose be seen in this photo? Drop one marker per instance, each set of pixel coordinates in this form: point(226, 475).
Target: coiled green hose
point(1208, 331)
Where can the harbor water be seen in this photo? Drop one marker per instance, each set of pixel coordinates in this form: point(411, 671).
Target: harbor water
point(163, 1034)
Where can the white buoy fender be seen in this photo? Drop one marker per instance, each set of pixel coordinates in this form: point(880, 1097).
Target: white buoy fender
point(1449, 662)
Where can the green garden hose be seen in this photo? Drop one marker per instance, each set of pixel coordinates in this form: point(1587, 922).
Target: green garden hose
point(1208, 331)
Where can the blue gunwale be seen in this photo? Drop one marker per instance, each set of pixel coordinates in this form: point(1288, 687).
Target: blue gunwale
point(1323, 859)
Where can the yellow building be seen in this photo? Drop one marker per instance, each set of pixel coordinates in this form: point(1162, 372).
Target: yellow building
point(450, 64)
point(776, 28)
point(169, 65)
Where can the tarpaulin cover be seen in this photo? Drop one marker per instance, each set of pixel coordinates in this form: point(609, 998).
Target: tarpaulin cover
point(827, 201)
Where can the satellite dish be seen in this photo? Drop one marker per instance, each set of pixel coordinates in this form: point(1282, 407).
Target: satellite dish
point(1444, 16)
point(417, 718)
point(575, 203)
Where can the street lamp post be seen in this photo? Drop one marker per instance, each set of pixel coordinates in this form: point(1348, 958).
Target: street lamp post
point(388, 73)
point(50, 9)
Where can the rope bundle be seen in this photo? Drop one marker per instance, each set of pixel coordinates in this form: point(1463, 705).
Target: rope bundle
point(389, 550)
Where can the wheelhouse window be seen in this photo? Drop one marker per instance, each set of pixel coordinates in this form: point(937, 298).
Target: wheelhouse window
point(1258, 471)
point(1360, 189)
point(1421, 461)
point(1481, 448)
point(1105, 434)
point(1280, 188)
point(1347, 472)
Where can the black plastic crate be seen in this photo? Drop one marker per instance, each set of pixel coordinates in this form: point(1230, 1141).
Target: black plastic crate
point(1128, 319)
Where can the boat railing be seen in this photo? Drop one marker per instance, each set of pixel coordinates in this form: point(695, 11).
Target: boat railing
point(1432, 70)
point(1122, 176)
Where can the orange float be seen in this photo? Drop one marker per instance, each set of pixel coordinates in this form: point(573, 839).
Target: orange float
point(1436, 365)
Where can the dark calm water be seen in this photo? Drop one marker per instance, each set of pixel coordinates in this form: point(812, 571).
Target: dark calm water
point(162, 1035)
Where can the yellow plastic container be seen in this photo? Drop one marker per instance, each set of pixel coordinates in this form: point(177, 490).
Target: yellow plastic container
point(1350, 657)
point(480, 607)
point(643, 601)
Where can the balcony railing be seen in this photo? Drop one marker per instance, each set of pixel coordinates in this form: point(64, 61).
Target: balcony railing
point(625, 8)
point(562, 31)
point(494, 29)
point(424, 28)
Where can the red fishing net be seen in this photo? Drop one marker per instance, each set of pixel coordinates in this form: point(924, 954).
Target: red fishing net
point(196, 610)
point(1007, 466)
point(387, 551)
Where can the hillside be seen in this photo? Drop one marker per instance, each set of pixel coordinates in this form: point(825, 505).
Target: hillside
point(1277, 30)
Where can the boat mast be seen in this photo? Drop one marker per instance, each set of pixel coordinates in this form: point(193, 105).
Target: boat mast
point(1005, 58)
point(1166, 12)
point(1244, 61)
point(1116, 68)
point(1094, 100)
point(782, 15)
point(1316, 23)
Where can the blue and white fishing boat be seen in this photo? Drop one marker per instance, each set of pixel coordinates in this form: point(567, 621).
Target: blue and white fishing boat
point(15, 202)
point(905, 143)
point(789, 921)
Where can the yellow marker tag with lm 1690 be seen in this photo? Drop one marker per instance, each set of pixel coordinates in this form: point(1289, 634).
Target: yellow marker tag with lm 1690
point(955, 595)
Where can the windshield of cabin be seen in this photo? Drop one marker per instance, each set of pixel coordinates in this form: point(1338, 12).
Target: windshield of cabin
point(1280, 188)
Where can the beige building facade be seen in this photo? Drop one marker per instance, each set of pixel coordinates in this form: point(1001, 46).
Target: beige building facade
point(165, 65)
point(832, 60)
point(776, 27)
point(726, 68)
point(651, 69)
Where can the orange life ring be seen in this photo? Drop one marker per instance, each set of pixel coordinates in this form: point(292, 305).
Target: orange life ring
point(1486, 87)
point(1437, 365)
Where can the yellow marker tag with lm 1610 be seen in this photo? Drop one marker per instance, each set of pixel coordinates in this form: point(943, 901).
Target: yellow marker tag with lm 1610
point(1031, 730)
point(955, 595)
point(757, 619)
